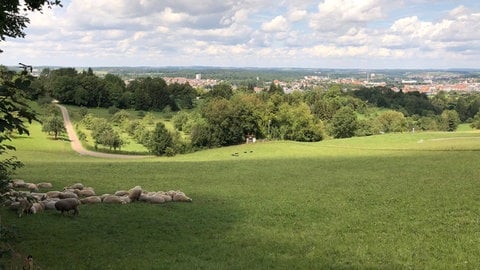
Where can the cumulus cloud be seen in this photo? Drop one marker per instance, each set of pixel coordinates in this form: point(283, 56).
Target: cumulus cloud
point(277, 24)
point(250, 32)
point(338, 15)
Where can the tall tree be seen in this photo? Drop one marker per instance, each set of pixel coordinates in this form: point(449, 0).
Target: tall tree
point(344, 123)
point(14, 112)
point(54, 124)
point(160, 140)
point(449, 120)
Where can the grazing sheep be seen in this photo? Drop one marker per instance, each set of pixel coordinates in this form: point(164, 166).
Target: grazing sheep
point(53, 194)
point(103, 196)
point(112, 199)
point(121, 193)
point(91, 200)
point(44, 185)
point(164, 195)
point(39, 196)
point(85, 192)
point(32, 187)
point(49, 204)
point(181, 197)
point(135, 193)
point(23, 207)
point(37, 208)
point(19, 183)
point(143, 197)
point(125, 199)
point(65, 205)
point(76, 186)
point(155, 199)
point(66, 195)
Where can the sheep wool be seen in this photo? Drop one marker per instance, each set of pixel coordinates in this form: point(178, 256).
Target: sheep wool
point(135, 193)
point(91, 200)
point(66, 205)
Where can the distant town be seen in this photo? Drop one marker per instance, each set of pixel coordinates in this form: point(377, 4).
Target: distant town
point(429, 82)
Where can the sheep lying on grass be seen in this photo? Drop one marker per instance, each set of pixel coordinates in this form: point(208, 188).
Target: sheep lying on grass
point(66, 205)
point(91, 200)
point(72, 196)
point(115, 199)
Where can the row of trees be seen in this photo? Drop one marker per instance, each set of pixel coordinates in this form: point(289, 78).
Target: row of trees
point(225, 116)
point(86, 89)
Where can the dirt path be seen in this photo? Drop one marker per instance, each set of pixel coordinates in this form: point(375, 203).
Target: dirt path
point(77, 145)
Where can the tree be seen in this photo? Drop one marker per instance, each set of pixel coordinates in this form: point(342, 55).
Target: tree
point(449, 120)
point(476, 121)
point(344, 123)
point(392, 121)
point(160, 140)
point(298, 124)
point(53, 123)
point(221, 90)
point(12, 22)
point(14, 112)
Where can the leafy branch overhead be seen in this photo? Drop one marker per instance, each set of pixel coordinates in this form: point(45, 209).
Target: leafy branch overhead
point(13, 15)
point(14, 110)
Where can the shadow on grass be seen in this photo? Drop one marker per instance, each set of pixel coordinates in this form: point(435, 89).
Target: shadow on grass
point(132, 236)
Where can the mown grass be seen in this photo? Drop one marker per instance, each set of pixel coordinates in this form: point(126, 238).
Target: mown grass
point(396, 201)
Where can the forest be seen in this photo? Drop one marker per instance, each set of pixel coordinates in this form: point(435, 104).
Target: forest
point(226, 115)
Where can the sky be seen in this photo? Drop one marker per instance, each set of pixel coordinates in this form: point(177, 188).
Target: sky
point(373, 34)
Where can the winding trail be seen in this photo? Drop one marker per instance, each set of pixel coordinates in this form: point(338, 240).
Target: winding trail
point(77, 145)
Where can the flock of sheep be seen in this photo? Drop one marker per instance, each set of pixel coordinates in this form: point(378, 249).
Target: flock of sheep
point(33, 201)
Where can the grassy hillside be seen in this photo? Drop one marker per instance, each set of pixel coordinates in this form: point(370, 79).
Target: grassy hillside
point(393, 201)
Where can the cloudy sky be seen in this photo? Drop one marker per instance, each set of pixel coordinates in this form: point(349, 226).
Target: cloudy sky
point(253, 33)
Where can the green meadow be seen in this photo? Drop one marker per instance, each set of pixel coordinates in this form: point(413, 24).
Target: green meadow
point(393, 201)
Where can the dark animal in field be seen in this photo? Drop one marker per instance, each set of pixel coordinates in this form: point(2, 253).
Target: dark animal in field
point(66, 205)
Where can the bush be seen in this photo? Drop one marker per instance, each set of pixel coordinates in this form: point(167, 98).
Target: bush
point(113, 110)
point(83, 111)
point(170, 152)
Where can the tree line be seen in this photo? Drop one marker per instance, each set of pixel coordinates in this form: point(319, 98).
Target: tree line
point(225, 115)
point(69, 86)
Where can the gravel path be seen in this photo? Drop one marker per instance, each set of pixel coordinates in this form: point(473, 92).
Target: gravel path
point(77, 145)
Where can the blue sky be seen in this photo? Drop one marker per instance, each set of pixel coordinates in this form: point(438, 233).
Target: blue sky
point(253, 33)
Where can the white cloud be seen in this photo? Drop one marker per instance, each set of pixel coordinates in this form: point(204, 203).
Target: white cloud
point(277, 24)
point(296, 15)
point(167, 16)
point(334, 15)
point(250, 32)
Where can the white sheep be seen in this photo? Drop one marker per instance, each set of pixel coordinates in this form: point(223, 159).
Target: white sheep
point(85, 192)
point(37, 208)
point(180, 197)
point(53, 194)
point(164, 195)
point(49, 204)
point(44, 185)
point(32, 187)
point(121, 193)
point(76, 186)
point(66, 195)
point(112, 199)
point(135, 193)
point(19, 183)
point(91, 200)
point(155, 199)
point(39, 196)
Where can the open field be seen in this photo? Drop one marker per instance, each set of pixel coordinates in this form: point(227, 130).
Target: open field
point(395, 201)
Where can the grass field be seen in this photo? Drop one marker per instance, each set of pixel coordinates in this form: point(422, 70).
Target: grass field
point(394, 201)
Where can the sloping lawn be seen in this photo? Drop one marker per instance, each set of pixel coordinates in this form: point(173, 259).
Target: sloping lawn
point(396, 201)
